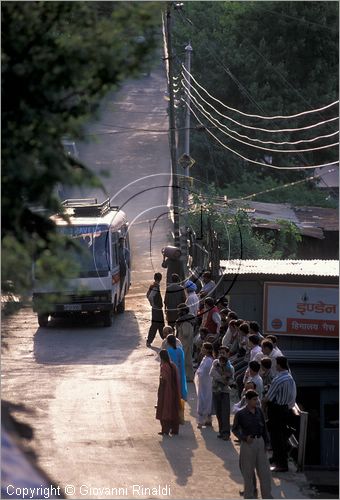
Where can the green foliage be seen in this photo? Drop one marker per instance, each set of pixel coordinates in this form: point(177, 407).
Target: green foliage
point(288, 239)
point(58, 60)
point(237, 238)
point(266, 58)
point(235, 235)
point(50, 258)
point(240, 242)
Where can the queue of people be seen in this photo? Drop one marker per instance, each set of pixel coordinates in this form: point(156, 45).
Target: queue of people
point(209, 345)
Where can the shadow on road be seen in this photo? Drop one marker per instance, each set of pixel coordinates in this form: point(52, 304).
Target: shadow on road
point(80, 342)
point(224, 450)
point(179, 452)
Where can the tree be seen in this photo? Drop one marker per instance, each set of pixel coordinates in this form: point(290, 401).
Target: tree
point(266, 58)
point(58, 60)
point(236, 236)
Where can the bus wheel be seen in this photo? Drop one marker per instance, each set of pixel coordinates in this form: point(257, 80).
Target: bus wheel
point(107, 318)
point(121, 306)
point(43, 319)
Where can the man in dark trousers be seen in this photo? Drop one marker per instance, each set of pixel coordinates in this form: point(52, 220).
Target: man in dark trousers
point(156, 302)
point(222, 374)
point(279, 399)
point(174, 296)
point(250, 428)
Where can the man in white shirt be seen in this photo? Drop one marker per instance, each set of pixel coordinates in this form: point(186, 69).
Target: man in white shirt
point(252, 375)
point(277, 352)
point(268, 351)
point(256, 353)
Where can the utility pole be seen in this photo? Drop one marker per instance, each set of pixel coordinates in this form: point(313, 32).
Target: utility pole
point(188, 51)
point(172, 124)
point(185, 161)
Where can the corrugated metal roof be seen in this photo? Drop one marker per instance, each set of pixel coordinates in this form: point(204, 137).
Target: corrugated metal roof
point(315, 217)
point(281, 267)
point(311, 221)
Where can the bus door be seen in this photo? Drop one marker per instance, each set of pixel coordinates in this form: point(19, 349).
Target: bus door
point(115, 268)
point(124, 261)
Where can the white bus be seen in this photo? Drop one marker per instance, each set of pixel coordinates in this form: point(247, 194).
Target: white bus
point(103, 263)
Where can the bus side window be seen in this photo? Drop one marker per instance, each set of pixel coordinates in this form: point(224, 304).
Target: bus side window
point(114, 249)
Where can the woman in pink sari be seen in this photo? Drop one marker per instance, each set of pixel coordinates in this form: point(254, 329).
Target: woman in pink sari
point(169, 396)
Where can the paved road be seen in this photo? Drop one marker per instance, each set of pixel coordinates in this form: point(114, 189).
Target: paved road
point(93, 389)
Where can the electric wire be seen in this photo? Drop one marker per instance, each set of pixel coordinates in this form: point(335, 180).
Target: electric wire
point(277, 167)
point(289, 184)
point(281, 117)
point(313, 139)
point(241, 87)
point(274, 68)
point(258, 140)
point(258, 128)
point(227, 70)
point(210, 119)
point(223, 201)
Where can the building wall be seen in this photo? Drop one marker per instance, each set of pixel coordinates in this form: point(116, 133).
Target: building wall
point(246, 298)
point(313, 248)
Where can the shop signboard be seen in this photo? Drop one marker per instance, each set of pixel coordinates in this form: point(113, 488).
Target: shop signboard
point(301, 309)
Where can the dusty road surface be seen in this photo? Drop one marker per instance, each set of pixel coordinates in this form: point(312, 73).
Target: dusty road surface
point(93, 389)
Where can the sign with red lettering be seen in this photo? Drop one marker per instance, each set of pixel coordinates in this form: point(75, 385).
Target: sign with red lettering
point(301, 309)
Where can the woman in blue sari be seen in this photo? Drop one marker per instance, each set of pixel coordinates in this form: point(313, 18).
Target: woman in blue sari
point(176, 355)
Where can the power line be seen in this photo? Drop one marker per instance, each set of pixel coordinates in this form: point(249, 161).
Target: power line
point(260, 163)
point(282, 117)
point(216, 199)
point(269, 142)
point(211, 120)
point(274, 68)
point(241, 87)
point(259, 128)
point(289, 184)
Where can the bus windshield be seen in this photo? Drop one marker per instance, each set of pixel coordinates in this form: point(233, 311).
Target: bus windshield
point(93, 257)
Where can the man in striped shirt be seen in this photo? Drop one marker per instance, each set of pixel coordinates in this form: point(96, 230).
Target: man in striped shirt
point(279, 400)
